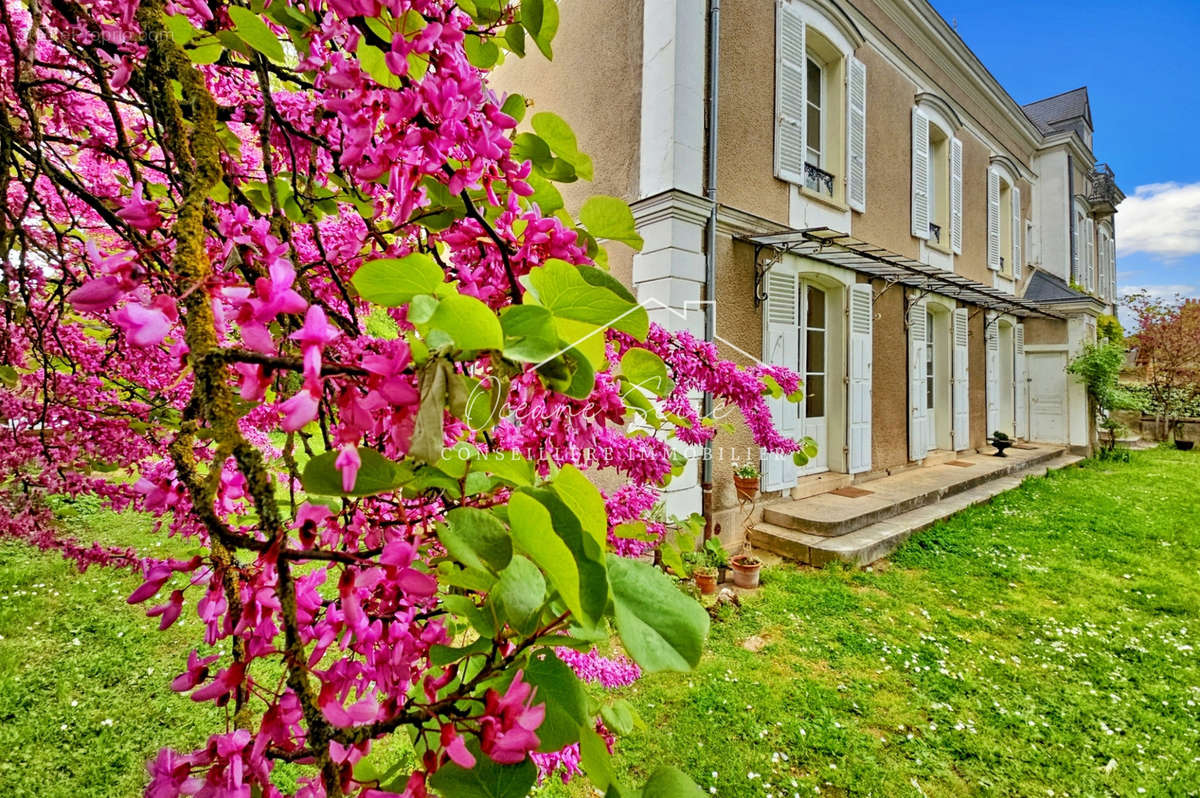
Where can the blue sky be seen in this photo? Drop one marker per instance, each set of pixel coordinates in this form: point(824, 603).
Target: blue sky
point(1141, 63)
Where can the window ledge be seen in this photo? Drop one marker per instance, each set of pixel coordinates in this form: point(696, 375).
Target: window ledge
point(824, 199)
point(936, 247)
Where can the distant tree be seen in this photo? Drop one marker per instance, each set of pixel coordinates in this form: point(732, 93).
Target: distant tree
point(1167, 340)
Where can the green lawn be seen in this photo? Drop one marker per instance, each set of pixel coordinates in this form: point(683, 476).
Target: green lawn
point(1041, 644)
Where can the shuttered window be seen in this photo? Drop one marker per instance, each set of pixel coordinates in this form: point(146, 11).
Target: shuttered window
point(791, 66)
point(918, 427)
point(960, 394)
point(993, 220)
point(856, 134)
point(861, 347)
point(781, 348)
point(1017, 231)
point(920, 174)
point(956, 196)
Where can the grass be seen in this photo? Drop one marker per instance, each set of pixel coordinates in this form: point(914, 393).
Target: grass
point(1041, 644)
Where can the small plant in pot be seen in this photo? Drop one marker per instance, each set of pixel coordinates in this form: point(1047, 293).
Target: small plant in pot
point(716, 557)
point(746, 568)
point(1001, 441)
point(745, 480)
point(705, 577)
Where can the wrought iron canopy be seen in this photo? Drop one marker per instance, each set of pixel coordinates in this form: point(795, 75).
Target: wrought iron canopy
point(827, 245)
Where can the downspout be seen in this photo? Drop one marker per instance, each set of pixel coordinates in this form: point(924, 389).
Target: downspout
point(710, 249)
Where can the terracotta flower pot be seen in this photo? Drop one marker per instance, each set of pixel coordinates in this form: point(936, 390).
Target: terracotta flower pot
point(747, 487)
point(706, 582)
point(745, 573)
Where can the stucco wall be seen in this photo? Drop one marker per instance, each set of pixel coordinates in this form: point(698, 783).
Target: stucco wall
point(887, 221)
point(602, 107)
point(972, 262)
point(977, 378)
point(889, 380)
point(746, 149)
point(1045, 331)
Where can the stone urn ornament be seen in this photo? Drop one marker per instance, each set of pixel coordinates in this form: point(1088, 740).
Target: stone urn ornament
point(1001, 441)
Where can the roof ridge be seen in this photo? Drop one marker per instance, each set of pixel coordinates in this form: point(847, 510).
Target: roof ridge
point(1056, 96)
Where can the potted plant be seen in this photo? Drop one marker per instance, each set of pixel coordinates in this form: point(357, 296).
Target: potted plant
point(705, 577)
point(745, 480)
point(745, 569)
point(716, 557)
point(1001, 441)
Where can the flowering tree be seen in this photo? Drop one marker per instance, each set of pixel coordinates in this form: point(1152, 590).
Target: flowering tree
point(1167, 339)
point(286, 276)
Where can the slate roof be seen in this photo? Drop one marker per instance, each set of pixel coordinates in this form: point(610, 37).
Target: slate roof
point(1062, 112)
point(1048, 289)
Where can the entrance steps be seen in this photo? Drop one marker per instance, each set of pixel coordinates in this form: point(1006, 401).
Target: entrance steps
point(861, 529)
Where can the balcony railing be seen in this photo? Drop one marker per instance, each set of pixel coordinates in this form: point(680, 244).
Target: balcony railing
point(818, 179)
point(1104, 191)
point(935, 230)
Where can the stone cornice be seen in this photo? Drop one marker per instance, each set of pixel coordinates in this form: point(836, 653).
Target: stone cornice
point(672, 204)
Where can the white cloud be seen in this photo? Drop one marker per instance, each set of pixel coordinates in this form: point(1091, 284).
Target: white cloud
point(1162, 219)
point(1161, 292)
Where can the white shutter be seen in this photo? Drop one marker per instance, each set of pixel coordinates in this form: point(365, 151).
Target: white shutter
point(1076, 254)
point(790, 74)
point(918, 429)
point(920, 174)
point(781, 347)
point(856, 134)
point(861, 348)
point(991, 372)
point(1017, 232)
point(1091, 255)
point(956, 196)
point(1112, 269)
point(1102, 267)
point(960, 384)
point(993, 220)
point(1022, 378)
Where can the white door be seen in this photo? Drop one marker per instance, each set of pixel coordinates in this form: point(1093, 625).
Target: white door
point(931, 416)
point(814, 356)
point(779, 349)
point(1022, 385)
point(991, 373)
point(918, 427)
point(861, 346)
point(1047, 396)
point(961, 397)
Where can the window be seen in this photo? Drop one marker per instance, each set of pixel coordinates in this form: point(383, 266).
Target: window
point(820, 105)
point(814, 124)
point(936, 175)
point(939, 187)
point(814, 332)
point(929, 363)
point(1006, 227)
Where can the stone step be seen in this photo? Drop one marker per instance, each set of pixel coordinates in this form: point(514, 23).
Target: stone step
point(870, 543)
point(830, 515)
point(817, 484)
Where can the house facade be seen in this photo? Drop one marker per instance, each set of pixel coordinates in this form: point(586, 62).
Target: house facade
point(843, 188)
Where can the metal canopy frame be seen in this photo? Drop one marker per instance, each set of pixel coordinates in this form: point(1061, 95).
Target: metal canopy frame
point(827, 245)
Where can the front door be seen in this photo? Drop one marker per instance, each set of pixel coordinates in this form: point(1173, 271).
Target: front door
point(1047, 396)
point(814, 351)
point(931, 419)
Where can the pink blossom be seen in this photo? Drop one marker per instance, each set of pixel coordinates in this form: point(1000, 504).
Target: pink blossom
point(141, 214)
point(300, 409)
point(510, 721)
point(348, 462)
